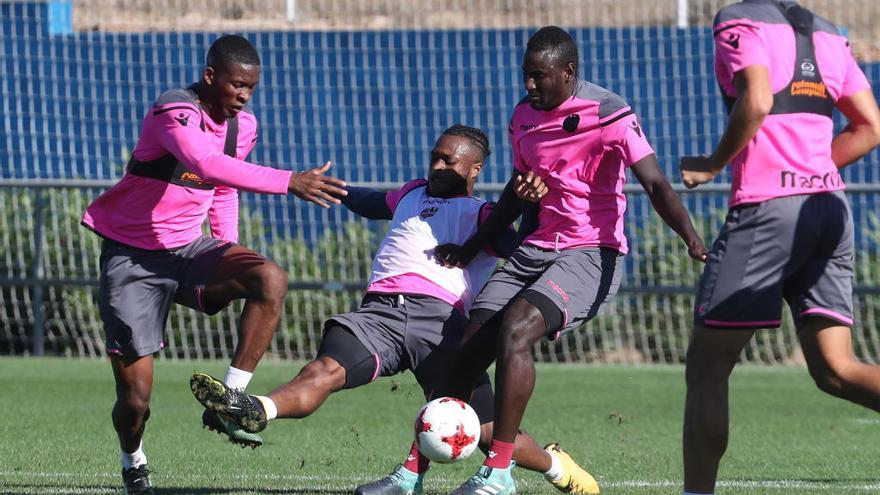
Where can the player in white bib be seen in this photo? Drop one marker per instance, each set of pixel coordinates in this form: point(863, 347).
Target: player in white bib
point(413, 313)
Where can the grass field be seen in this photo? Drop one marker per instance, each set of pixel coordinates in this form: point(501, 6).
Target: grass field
point(624, 423)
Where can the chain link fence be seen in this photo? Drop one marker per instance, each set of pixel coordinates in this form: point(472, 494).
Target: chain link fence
point(48, 280)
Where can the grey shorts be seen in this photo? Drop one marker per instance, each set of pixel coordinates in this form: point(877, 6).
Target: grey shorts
point(577, 281)
point(403, 332)
point(137, 288)
point(796, 248)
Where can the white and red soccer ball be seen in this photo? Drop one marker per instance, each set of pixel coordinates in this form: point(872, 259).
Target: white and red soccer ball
point(447, 430)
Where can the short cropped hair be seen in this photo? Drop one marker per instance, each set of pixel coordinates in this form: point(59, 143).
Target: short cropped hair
point(231, 48)
point(557, 42)
point(475, 136)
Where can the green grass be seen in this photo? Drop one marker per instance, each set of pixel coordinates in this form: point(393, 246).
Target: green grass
point(624, 423)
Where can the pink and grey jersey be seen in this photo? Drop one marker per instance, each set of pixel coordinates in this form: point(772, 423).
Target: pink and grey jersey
point(580, 150)
point(179, 175)
point(404, 262)
point(811, 68)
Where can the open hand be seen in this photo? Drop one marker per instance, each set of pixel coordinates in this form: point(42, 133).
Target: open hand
point(312, 185)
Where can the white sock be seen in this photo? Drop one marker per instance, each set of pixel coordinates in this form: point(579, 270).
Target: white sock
point(236, 378)
point(269, 406)
point(694, 493)
point(135, 459)
point(555, 472)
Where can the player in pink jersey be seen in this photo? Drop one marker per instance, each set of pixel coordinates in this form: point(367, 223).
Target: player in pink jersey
point(413, 313)
point(578, 138)
point(789, 232)
point(187, 167)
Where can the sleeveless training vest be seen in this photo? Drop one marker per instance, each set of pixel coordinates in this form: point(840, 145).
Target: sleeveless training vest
point(166, 168)
point(806, 92)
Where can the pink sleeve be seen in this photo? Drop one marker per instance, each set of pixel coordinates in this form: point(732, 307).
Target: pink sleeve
point(181, 136)
point(518, 163)
point(738, 44)
point(223, 214)
point(392, 198)
point(854, 79)
point(627, 138)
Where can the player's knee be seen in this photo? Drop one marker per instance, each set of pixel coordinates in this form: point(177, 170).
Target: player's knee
point(324, 373)
point(829, 379)
point(272, 282)
point(521, 331)
point(136, 400)
point(707, 366)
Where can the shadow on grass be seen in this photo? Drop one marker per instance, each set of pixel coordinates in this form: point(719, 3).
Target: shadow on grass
point(34, 488)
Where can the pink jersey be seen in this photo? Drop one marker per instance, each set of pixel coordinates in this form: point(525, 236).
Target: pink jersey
point(791, 154)
point(580, 149)
point(155, 213)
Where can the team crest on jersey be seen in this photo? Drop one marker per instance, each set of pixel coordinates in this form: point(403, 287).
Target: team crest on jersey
point(571, 122)
point(428, 212)
point(182, 119)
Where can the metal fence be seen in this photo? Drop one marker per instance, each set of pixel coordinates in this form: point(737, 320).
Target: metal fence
point(48, 279)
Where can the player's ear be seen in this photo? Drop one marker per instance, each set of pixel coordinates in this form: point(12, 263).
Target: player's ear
point(570, 71)
point(209, 75)
point(475, 170)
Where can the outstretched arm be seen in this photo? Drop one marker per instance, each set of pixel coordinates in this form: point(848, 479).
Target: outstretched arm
point(668, 205)
point(368, 203)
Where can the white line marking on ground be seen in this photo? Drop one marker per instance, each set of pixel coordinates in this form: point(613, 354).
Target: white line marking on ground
point(646, 484)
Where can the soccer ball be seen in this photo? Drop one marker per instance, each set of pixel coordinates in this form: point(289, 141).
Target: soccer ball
point(447, 430)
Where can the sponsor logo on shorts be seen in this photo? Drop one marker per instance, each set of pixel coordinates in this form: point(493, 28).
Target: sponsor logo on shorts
point(556, 288)
point(794, 179)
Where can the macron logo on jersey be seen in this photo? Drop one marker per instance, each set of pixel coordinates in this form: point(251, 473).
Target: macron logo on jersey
point(635, 127)
point(182, 119)
point(733, 40)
